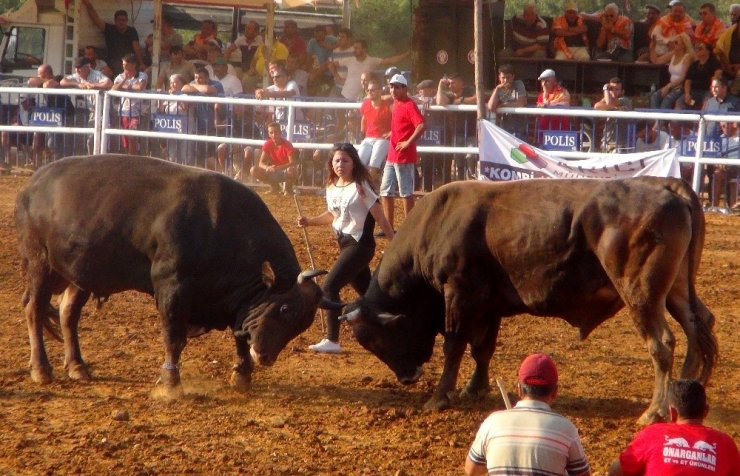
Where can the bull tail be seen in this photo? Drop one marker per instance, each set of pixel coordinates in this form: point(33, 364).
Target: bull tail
point(51, 323)
point(702, 318)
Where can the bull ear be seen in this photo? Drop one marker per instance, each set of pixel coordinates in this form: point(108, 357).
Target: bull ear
point(310, 273)
point(268, 275)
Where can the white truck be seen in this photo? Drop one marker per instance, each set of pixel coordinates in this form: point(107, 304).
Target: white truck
point(46, 31)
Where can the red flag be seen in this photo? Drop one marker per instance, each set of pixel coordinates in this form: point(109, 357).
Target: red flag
point(66, 4)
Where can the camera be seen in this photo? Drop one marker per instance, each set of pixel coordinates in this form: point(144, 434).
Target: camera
point(607, 87)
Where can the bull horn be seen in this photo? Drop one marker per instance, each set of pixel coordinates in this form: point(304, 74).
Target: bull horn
point(350, 316)
point(386, 318)
point(310, 273)
point(327, 304)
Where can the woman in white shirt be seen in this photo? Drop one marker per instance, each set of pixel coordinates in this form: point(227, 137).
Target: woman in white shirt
point(353, 209)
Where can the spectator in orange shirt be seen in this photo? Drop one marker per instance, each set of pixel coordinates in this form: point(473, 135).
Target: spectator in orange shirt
point(710, 28)
point(616, 35)
point(669, 26)
point(569, 30)
point(552, 95)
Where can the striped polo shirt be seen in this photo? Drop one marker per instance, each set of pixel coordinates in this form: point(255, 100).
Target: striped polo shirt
point(529, 439)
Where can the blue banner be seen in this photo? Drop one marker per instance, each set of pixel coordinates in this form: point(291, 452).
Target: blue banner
point(171, 123)
point(561, 140)
point(46, 117)
point(302, 131)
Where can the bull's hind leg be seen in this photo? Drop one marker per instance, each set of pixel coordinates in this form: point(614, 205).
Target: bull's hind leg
point(482, 352)
point(36, 300)
point(70, 309)
point(174, 302)
point(701, 350)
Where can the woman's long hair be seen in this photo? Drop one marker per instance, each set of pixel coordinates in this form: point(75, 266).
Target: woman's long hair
point(360, 174)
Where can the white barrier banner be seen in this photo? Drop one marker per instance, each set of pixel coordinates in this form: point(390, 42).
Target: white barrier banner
point(503, 157)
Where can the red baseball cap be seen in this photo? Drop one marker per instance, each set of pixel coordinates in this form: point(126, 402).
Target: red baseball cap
point(538, 369)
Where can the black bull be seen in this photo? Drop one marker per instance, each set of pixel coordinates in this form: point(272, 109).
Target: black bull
point(206, 247)
point(581, 250)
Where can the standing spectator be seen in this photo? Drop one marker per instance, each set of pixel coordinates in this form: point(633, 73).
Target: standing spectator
point(205, 114)
point(699, 77)
point(429, 164)
point(19, 140)
point(170, 38)
point(679, 59)
point(320, 49)
point(352, 211)
point(120, 39)
point(615, 130)
point(685, 446)
point(344, 49)
point(359, 63)
point(452, 90)
point(297, 74)
point(177, 65)
point(246, 44)
point(650, 138)
point(130, 110)
point(231, 84)
point(376, 124)
point(569, 31)
point(710, 28)
point(720, 102)
point(510, 92)
point(407, 126)
point(96, 63)
point(178, 150)
point(615, 35)
point(293, 40)
point(552, 95)
point(282, 88)
point(278, 162)
point(198, 46)
point(44, 79)
point(728, 53)
point(529, 438)
point(667, 27)
point(389, 73)
point(86, 78)
point(530, 35)
point(262, 59)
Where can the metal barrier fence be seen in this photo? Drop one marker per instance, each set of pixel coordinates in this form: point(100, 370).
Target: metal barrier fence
point(227, 133)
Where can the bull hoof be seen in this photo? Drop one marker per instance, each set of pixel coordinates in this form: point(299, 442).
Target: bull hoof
point(438, 403)
point(42, 376)
point(241, 383)
point(78, 371)
point(167, 392)
point(474, 393)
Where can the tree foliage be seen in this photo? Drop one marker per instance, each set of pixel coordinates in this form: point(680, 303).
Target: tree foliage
point(384, 24)
point(6, 5)
point(636, 8)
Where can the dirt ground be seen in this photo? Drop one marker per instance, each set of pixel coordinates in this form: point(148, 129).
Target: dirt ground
point(316, 414)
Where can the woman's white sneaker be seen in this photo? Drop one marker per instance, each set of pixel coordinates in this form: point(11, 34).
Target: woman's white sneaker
point(326, 346)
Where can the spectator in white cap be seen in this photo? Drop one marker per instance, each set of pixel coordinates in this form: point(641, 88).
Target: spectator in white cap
point(407, 126)
point(552, 95)
point(570, 40)
point(529, 438)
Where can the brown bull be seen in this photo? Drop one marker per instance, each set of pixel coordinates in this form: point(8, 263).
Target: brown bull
point(581, 250)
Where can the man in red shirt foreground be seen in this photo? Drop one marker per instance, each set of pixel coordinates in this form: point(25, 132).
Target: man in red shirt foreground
point(407, 125)
point(278, 162)
point(683, 447)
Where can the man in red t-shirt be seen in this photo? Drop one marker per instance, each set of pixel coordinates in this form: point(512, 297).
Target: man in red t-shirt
point(684, 447)
point(277, 162)
point(407, 125)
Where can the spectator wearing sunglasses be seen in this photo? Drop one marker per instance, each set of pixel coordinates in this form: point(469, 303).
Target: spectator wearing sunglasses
point(376, 124)
point(352, 210)
point(616, 35)
point(282, 88)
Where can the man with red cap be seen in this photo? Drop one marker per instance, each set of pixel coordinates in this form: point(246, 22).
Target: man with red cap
point(529, 438)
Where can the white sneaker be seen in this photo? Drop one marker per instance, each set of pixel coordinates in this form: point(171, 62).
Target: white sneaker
point(326, 346)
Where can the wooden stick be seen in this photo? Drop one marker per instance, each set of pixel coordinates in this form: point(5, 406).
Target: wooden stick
point(310, 254)
point(504, 393)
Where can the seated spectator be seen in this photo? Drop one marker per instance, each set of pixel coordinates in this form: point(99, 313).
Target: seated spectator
point(616, 35)
point(231, 84)
point(199, 44)
point(96, 63)
point(615, 130)
point(722, 173)
point(530, 35)
point(177, 65)
point(510, 92)
point(297, 74)
point(679, 59)
point(710, 28)
point(262, 58)
point(278, 162)
point(650, 138)
point(169, 37)
point(426, 93)
point(178, 150)
point(643, 30)
point(294, 41)
point(130, 110)
point(282, 88)
point(319, 50)
point(19, 140)
point(651, 451)
point(552, 95)
point(727, 51)
point(666, 28)
point(570, 41)
point(376, 124)
point(247, 45)
point(452, 90)
point(699, 77)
